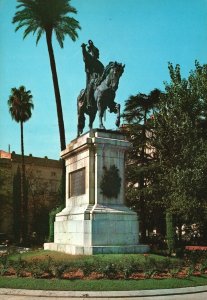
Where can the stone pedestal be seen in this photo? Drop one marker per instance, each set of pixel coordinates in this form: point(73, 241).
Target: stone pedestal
point(92, 222)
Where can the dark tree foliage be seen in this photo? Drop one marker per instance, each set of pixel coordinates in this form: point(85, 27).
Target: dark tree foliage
point(170, 232)
point(167, 166)
point(17, 209)
point(141, 169)
point(40, 224)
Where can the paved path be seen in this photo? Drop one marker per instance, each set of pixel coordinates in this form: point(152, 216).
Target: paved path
point(193, 293)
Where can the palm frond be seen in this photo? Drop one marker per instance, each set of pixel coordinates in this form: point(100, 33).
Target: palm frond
point(29, 29)
point(39, 16)
point(20, 104)
point(39, 34)
point(60, 37)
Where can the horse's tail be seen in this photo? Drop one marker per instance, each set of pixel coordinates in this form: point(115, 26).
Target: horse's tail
point(80, 99)
point(80, 111)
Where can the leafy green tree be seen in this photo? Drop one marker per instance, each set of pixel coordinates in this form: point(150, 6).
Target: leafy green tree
point(48, 16)
point(170, 232)
point(20, 107)
point(181, 144)
point(141, 162)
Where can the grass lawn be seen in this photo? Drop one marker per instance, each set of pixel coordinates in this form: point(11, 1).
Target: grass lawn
point(63, 257)
point(100, 285)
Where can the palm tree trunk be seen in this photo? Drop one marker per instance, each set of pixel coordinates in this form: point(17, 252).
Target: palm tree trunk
point(58, 106)
point(24, 206)
point(56, 90)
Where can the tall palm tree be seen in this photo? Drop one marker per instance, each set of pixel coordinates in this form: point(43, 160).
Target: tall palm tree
point(20, 107)
point(48, 16)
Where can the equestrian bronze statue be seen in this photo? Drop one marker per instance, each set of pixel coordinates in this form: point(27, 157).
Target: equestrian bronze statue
point(100, 91)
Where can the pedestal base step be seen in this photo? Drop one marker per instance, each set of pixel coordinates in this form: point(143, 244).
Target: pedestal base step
point(81, 250)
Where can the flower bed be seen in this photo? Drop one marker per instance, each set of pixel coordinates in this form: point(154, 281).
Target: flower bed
point(106, 267)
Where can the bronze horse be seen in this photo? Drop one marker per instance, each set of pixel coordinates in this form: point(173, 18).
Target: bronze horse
point(101, 98)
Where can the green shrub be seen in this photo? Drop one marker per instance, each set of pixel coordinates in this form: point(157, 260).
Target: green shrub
point(149, 266)
point(59, 269)
point(163, 266)
point(109, 271)
point(53, 264)
point(19, 266)
point(128, 270)
point(52, 215)
point(137, 266)
point(39, 267)
point(195, 256)
point(174, 271)
point(88, 267)
point(202, 267)
point(36, 270)
point(4, 264)
point(190, 270)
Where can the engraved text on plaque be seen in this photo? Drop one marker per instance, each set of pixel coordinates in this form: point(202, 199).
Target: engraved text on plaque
point(77, 183)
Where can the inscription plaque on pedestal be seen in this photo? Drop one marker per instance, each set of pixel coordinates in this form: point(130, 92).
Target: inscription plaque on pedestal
point(77, 183)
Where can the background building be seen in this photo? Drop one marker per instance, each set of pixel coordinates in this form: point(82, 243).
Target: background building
point(43, 180)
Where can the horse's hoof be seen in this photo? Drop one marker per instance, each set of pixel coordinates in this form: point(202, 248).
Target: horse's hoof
point(102, 127)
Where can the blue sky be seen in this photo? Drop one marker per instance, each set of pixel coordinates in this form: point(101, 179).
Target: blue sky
point(143, 34)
